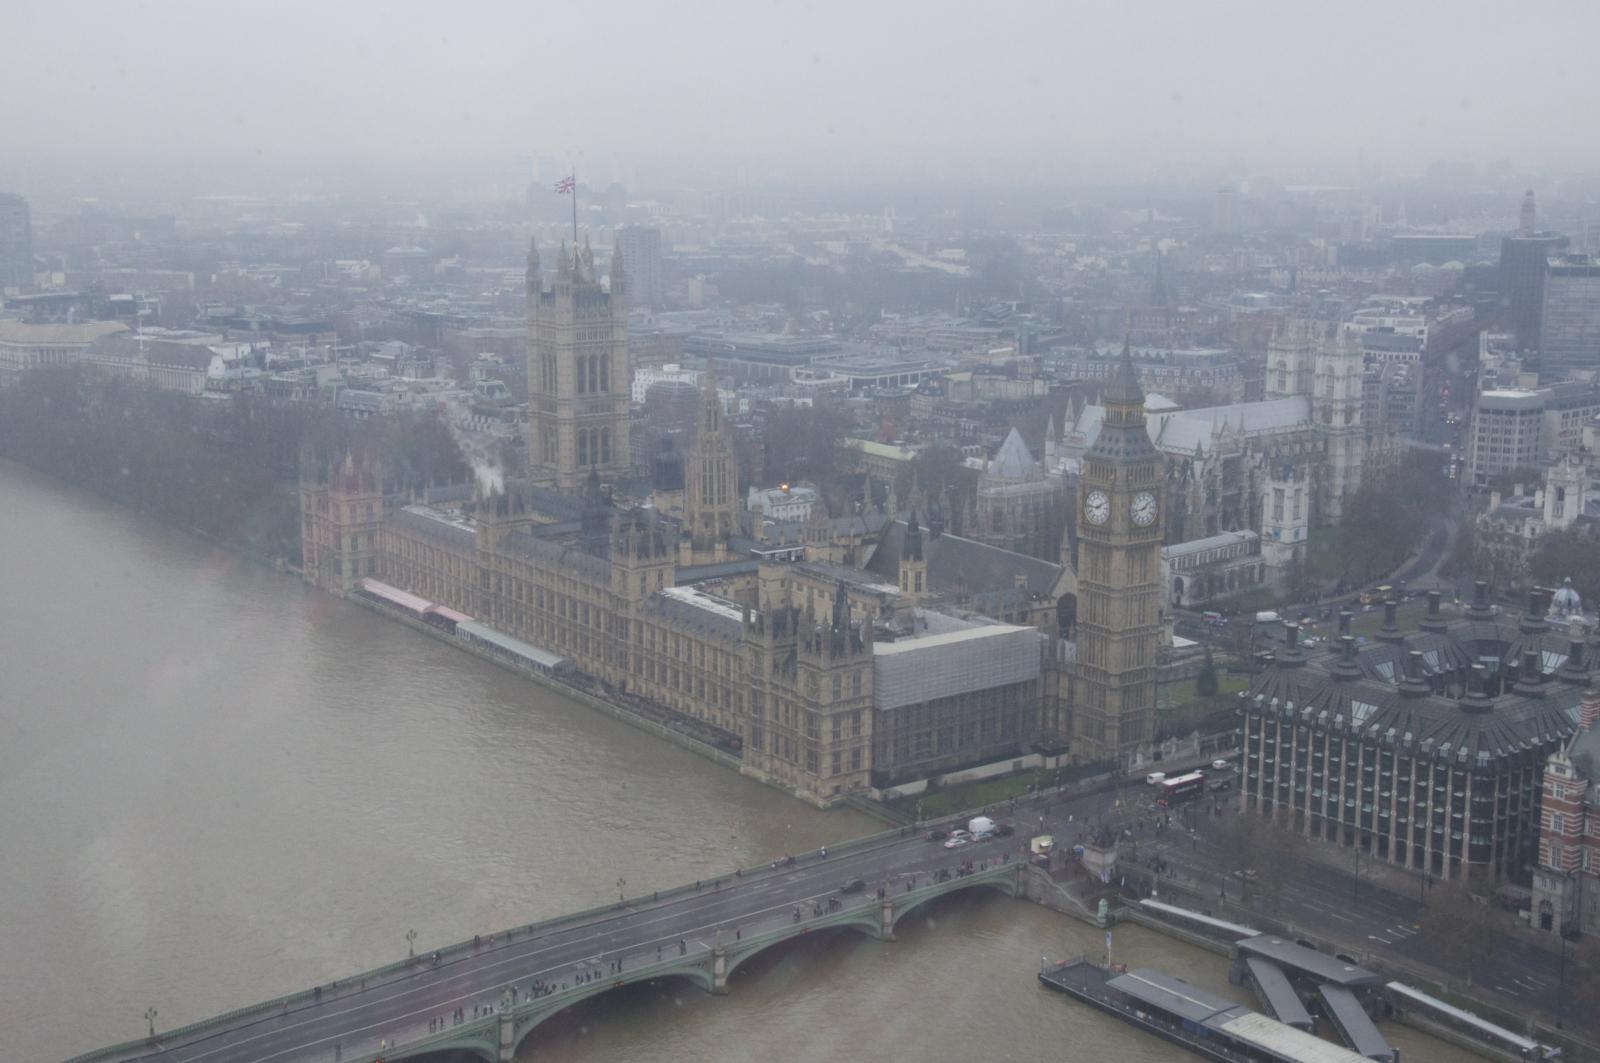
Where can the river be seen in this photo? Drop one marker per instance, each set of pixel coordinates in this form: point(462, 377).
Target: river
point(220, 786)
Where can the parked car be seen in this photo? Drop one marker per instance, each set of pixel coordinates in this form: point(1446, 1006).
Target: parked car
point(1221, 765)
point(955, 842)
point(938, 834)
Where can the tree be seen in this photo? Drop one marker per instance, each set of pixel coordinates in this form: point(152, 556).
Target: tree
point(1258, 855)
point(1465, 559)
point(1569, 552)
point(937, 470)
point(800, 443)
point(1387, 517)
point(1465, 930)
point(1205, 684)
point(1583, 978)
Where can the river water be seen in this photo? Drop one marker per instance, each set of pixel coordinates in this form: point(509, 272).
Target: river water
point(219, 786)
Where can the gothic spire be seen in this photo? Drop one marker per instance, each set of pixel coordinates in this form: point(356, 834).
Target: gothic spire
point(913, 545)
point(710, 404)
point(1124, 387)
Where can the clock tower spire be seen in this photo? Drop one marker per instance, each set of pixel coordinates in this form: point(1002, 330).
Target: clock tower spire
point(1120, 516)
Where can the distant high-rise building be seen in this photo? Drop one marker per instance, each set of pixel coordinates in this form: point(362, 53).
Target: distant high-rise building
point(16, 242)
point(1522, 268)
point(1223, 220)
point(1569, 319)
point(641, 256)
point(1528, 215)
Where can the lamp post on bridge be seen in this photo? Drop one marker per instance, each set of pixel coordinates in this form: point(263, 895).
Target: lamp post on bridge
point(150, 1017)
point(411, 944)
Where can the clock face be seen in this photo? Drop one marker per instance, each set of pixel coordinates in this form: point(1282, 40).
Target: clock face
point(1097, 507)
point(1143, 509)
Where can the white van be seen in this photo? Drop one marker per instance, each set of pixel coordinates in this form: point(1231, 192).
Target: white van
point(1156, 778)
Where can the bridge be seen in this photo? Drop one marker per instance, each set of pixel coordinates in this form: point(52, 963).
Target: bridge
point(483, 997)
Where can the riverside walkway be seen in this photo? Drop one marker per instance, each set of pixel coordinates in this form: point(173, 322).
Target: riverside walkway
point(485, 996)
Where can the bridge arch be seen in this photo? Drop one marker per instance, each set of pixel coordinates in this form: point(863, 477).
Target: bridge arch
point(530, 1016)
point(867, 924)
point(1006, 884)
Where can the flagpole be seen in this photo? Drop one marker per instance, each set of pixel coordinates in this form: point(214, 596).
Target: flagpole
point(574, 208)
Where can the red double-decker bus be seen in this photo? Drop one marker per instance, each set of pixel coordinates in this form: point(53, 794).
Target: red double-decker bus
point(1181, 788)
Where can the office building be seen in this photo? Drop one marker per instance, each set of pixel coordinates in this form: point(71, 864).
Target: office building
point(640, 248)
point(1422, 749)
point(1523, 428)
point(1569, 321)
point(16, 243)
point(1523, 260)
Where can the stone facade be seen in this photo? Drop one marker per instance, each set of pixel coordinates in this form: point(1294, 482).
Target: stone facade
point(1566, 879)
point(1121, 506)
point(776, 661)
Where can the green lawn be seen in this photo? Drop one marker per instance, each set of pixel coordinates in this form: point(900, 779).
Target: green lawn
point(959, 797)
point(1407, 617)
point(1179, 704)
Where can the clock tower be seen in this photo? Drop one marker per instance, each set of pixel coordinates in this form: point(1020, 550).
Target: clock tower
point(1121, 511)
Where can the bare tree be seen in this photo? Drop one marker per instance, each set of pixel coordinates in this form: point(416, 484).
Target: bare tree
point(1464, 929)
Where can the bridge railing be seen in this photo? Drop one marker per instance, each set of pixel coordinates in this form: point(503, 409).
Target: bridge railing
point(449, 953)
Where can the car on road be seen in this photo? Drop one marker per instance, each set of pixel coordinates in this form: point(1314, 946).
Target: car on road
point(938, 834)
point(956, 841)
point(855, 885)
point(1221, 765)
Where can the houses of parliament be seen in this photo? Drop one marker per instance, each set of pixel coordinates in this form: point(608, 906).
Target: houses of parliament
point(887, 651)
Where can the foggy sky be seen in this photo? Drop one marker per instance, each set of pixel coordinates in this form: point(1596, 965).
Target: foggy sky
point(819, 89)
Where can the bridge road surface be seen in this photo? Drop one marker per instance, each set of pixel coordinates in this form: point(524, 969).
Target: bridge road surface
point(398, 1007)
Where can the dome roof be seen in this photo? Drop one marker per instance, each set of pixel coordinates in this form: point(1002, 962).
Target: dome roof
point(1565, 601)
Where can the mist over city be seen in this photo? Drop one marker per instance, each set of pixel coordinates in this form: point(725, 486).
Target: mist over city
point(814, 531)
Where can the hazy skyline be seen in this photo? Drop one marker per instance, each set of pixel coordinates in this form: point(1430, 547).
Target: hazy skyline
point(810, 90)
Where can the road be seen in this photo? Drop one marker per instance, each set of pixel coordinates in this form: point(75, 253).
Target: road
point(1364, 915)
point(353, 1017)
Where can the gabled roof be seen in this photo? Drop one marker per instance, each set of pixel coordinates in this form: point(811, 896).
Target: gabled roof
point(1013, 461)
point(986, 570)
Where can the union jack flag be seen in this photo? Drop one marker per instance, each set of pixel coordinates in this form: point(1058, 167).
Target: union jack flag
point(564, 186)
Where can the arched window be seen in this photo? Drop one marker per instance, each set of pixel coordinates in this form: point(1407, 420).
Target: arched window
point(583, 446)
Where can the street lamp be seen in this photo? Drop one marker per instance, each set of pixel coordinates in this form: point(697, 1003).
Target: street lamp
point(411, 944)
point(150, 1017)
point(622, 885)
